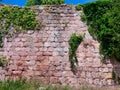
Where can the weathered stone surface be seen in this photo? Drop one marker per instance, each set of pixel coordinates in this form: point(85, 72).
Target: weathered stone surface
point(45, 54)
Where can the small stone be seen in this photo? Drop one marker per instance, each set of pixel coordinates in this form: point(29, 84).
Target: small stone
point(55, 53)
point(90, 81)
point(58, 49)
point(46, 44)
point(15, 57)
point(23, 39)
point(16, 72)
point(105, 70)
point(17, 39)
point(47, 53)
point(108, 75)
point(109, 82)
point(96, 81)
point(66, 49)
point(30, 31)
point(109, 65)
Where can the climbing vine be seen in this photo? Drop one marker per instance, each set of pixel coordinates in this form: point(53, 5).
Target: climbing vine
point(74, 42)
point(15, 19)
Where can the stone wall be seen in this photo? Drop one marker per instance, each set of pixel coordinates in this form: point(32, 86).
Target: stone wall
point(43, 54)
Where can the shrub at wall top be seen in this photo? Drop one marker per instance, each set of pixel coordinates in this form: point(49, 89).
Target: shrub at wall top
point(15, 19)
point(103, 20)
point(44, 2)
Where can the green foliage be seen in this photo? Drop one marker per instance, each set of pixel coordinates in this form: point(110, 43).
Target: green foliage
point(113, 75)
point(103, 20)
point(57, 87)
point(83, 17)
point(24, 85)
point(15, 19)
point(74, 42)
point(17, 85)
point(52, 2)
point(32, 2)
point(3, 61)
point(79, 7)
point(44, 2)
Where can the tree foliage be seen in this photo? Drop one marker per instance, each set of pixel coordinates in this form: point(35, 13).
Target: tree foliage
point(44, 2)
point(103, 20)
point(32, 2)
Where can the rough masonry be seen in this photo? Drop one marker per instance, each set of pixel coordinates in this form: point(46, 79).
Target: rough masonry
point(43, 54)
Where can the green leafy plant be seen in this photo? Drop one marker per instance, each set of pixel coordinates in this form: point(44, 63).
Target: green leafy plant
point(83, 17)
point(3, 61)
point(113, 75)
point(79, 7)
point(44, 2)
point(17, 85)
point(27, 85)
point(15, 19)
point(32, 2)
point(102, 58)
point(103, 20)
point(74, 42)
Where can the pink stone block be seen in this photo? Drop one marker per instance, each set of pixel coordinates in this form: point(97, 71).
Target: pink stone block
point(16, 72)
point(15, 57)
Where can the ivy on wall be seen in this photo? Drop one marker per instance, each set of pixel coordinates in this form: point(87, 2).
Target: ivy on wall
point(15, 19)
point(103, 20)
point(74, 42)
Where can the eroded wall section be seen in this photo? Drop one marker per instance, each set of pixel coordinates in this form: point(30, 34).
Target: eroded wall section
point(43, 54)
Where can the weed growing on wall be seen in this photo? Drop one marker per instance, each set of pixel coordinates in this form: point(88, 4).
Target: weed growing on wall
point(15, 19)
point(3, 61)
point(74, 42)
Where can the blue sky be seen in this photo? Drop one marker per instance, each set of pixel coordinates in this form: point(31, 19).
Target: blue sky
point(22, 2)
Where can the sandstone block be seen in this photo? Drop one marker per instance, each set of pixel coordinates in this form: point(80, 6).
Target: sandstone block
point(67, 74)
point(44, 67)
point(17, 39)
point(30, 31)
point(108, 75)
point(47, 53)
point(39, 53)
point(55, 53)
point(17, 57)
point(46, 44)
point(109, 82)
point(40, 44)
point(16, 72)
point(54, 80)
point(105, 70)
